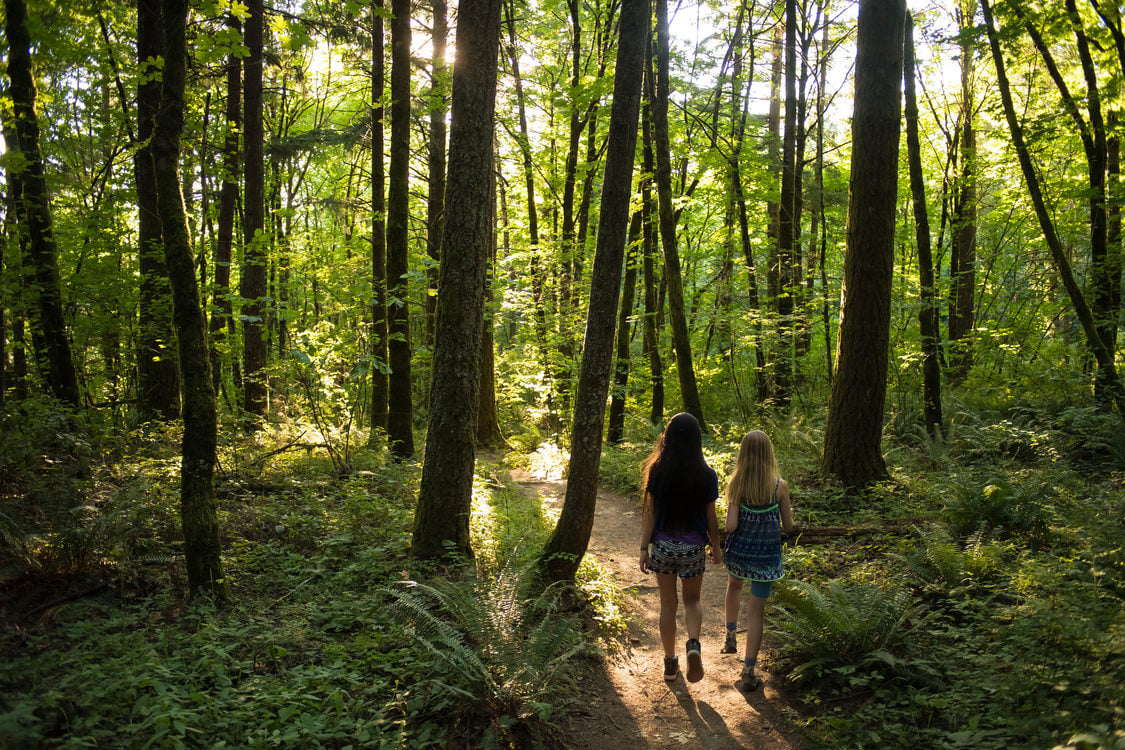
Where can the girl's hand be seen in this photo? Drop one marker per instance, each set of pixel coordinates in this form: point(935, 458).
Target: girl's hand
point(716, 554)
point(644, 561)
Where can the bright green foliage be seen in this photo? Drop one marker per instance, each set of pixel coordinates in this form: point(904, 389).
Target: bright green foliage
point(507, 659)
point(842, 626)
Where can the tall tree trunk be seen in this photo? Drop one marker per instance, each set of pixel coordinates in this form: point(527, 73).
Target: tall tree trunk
point(15, 237)
point(963, 259)
point(1101, 282)
point(253, 288)
point(222, 315)
point(681, 336)
point(565, 310)
point(435, 162)
point(567, 545)
point(787, 225)
point(53, 350)
point(197, 496)
point(441, 522)
point(400, 411)
point(773, 164)
point(854, 430)
point(1113, 217)
point(379, 381)
point(928, 314)
point(651, 337)
point(1106, 375)
point(158, 386)
point(619, 391)
point(488, 421)
point(822, 256)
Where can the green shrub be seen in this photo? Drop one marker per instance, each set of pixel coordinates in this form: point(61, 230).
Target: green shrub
point(508, 659)
point(999, 506)
point(841, 626)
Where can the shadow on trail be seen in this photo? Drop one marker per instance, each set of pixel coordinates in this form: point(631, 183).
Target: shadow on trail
point(623, 702)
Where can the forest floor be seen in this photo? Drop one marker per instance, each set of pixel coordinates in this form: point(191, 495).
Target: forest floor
point(625, 703)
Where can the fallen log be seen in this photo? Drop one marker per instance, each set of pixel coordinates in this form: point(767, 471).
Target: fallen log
point(825, 534)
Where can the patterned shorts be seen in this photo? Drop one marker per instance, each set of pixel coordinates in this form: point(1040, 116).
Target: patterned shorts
point(678, 558)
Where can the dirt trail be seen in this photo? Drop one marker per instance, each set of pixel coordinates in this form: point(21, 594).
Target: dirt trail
point(628, 705)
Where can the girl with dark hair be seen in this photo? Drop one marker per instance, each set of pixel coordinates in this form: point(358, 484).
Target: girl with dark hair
point(678, 523)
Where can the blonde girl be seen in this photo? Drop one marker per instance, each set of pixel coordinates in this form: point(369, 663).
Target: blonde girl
point(758, 509)
point(678, 523)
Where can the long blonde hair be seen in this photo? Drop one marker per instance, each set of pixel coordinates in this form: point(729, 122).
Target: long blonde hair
point(755, 471)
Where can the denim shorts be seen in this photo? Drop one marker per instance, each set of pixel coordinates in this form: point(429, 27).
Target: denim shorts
point(678, 558)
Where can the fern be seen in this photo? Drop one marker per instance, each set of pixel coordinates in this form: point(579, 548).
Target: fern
point(508, 658)
point(939, 561)
point(838, 626)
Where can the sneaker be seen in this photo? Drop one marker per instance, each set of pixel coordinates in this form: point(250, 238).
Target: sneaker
point(694, 661)
point(671, 667)
point(730, 645)
point(750, 679)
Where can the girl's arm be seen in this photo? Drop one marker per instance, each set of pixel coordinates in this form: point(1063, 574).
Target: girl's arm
point(713, 534)
point(732, 514)
point(648, 525)
point(785, 506)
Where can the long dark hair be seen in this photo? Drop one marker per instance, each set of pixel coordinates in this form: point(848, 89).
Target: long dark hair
point(677, 476)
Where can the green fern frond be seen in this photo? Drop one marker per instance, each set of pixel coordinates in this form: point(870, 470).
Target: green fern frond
point(838, 625)
point(507, 655)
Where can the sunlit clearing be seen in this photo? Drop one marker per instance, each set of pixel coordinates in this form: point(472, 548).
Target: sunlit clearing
point(548, 462)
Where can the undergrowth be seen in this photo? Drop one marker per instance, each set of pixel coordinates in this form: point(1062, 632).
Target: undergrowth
point(311, 650)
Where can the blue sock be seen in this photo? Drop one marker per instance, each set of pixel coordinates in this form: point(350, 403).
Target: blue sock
point(731, 626)
point(751, 662)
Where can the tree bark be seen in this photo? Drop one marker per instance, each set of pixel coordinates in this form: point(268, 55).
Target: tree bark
point(158, 385)
point(928, 314)
point(619, 392)
point(651, 337)
point(222, 315)
point(379, 383)
point(1106, 375)
point(855, 409)
point(253, 287)
point(435, 162)
point(197, 497)
point(788, 222)
point(681, 336)
point(400, 411)
point(963, 259)
point(441, 522)
point(568, 542)
point(488, 420)
point(53, 349)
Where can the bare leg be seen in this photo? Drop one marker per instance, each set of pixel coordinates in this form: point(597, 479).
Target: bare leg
point(668, 604)
point(734, 598)
point(756, 610)
point(693, 611)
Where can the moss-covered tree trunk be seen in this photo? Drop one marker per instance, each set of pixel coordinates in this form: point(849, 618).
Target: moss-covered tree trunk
point(853, 435)
point(52, 344)
point(253, 281)
point(568, 542)
point(222, 315)
point(435, 161)
point(681, 336)
point(378, 232)
point(158, 384)
point(441, 523)
point(400, 411)
point(928, 315)
point(197, 495)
